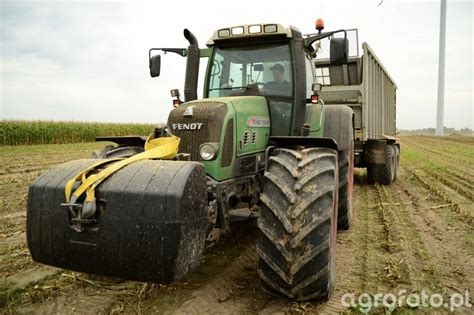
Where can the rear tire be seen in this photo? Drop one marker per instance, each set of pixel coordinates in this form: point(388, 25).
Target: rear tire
point(346, 182)
point(298, 224)
point(396, 157)
point(382, 173)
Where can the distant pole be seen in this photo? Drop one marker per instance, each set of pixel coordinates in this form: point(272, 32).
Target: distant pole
point(442, 48)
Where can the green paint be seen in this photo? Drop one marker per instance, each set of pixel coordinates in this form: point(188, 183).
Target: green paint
point(213, 168)
point(251, 111)
point(205, 52)
point(314, 116)
point(245, 111)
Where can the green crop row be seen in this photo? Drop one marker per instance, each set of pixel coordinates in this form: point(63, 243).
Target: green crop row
point(18, 132)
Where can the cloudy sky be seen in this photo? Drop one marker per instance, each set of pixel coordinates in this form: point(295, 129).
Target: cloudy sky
point(87, 60)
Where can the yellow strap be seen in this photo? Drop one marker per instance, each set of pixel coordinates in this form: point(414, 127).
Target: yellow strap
point(159, 148)
point(82, 176)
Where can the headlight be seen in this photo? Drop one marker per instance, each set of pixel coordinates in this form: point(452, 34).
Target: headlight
point(208, 151)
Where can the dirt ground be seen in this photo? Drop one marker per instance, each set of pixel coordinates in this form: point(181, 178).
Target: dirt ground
point(415, 234)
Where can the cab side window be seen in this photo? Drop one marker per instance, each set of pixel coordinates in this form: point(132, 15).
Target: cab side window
point(310, 78)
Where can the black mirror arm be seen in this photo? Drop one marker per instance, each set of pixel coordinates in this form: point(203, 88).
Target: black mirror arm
point(310, 40)
point(183, 52)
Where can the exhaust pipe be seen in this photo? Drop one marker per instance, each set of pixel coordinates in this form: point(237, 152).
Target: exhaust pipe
point(192, 67)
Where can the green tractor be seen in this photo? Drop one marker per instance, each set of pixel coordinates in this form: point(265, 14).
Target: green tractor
point(259, 144)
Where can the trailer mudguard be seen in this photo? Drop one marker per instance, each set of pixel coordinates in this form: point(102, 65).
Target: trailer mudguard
point(150, 223)
point(338, 125)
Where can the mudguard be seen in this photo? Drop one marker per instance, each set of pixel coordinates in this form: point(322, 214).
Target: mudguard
point(150, 224)
point(338, 125)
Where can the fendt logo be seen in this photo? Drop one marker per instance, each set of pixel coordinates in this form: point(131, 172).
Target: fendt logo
point(192, 126)
point(257, 122)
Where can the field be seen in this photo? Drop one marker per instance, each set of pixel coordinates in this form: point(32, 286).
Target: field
point(416, 234)
point(16, 132)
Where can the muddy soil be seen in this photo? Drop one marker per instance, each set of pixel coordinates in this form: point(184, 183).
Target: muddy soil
point(414, 235)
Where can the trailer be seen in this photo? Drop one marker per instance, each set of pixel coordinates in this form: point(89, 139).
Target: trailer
point(365, 85)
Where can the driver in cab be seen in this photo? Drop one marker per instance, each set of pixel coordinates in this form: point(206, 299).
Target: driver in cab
point(279, 86)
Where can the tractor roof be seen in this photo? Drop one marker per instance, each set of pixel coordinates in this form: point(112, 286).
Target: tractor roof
point(250, 31)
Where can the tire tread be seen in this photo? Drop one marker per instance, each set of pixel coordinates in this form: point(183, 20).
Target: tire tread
point(296, 221)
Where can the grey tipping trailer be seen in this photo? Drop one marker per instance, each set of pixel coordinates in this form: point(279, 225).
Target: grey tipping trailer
point(365, 85)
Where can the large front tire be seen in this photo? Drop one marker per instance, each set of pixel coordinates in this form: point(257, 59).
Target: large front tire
point(298, 224)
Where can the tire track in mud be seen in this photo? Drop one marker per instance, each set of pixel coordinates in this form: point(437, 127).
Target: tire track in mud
point(376, 243)
point(458, 203)
point(393, 254)
point(462, 181)
point(410, 261)
point(361, 253)
point(462, 185)
point(226, 282)
point(450, 263)
point(464, 193)
point(348, 272)
point(221, 294)
point(397, 262)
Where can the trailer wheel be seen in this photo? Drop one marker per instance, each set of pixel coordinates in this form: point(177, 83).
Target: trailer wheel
point(346, 181)
point(383, 173)
point(396, 157)
point(298, 224)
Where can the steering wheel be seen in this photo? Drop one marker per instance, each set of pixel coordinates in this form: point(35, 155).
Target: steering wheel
point(251, 88)
point(260, 85)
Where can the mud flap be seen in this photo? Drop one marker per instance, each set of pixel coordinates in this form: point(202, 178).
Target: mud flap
point(150, 225)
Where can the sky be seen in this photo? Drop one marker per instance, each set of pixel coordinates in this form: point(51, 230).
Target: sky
point(88, 60)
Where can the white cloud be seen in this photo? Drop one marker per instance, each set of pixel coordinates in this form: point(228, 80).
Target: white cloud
point(87, 60)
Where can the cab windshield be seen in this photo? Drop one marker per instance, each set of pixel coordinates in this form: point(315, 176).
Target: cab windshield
point(267, 68)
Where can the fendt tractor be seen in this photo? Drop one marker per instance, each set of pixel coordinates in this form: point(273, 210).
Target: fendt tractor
point(263, 142)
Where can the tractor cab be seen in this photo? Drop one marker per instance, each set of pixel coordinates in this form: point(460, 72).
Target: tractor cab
point(255, 60)
point(259, 60)
point(266, 60)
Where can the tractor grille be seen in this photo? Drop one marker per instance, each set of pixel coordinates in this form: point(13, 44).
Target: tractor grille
point(203, 123)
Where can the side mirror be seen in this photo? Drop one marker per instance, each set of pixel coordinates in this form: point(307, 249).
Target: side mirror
point(155, 65)
point(339, 51)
